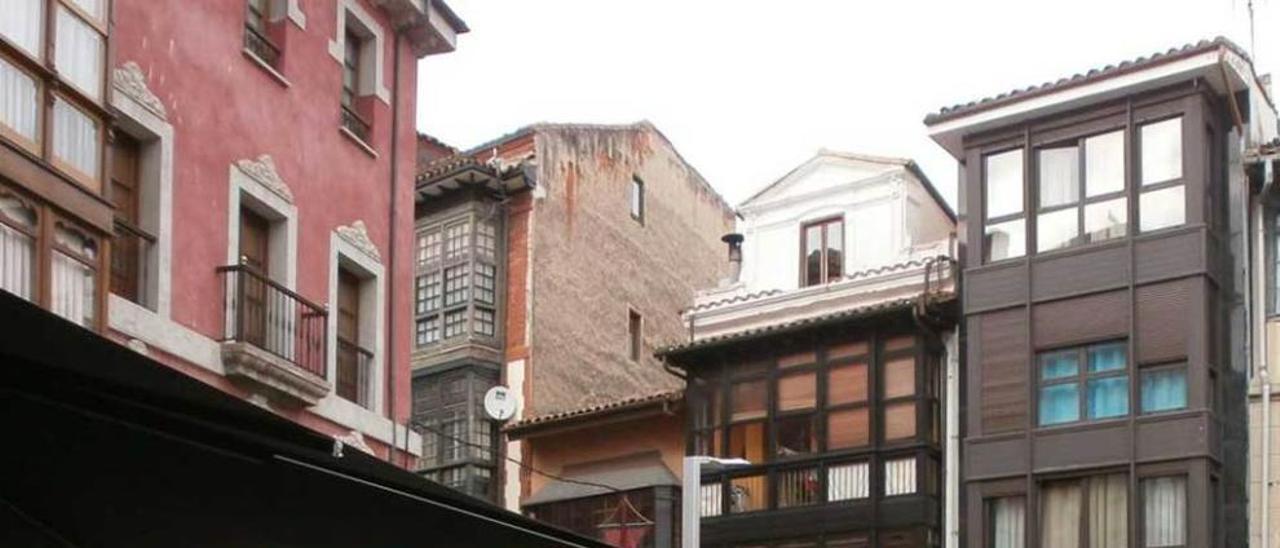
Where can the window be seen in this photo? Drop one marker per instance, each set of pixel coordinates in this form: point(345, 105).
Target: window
point(848, 481)
point(822, 255)
point(635, 336)
point(1164, 512)
point(18, 235)
point(798, 487)
point(459, 441)
point(1084, 383)
point(1007, 518)
point(131, 244)
point(354, 361)
point(456, 288)
point(748, 494)
point(1005, 233)
point(1162, 203)
point(899, 477)
point(637, 199)
point(1163, 388)
point(1081, 185)
point(257, 32)
point(1094, 508)
point(350, 69)
point(355, 41)
point(899, 395)
point(74, 274)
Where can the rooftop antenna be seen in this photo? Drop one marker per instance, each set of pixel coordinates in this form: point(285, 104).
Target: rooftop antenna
point(1253, 50)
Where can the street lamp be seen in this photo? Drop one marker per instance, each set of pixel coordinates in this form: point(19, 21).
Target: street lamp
point(691, 496)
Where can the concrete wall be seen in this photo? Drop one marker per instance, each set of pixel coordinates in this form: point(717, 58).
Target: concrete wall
point(592, 263)
point(225, 107)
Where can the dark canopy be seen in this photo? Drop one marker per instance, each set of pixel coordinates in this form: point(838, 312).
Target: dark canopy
point(106, 447)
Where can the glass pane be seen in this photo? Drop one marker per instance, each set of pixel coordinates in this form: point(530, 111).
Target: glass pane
point(748, 441)
point(848, 481)
point(1057, 230)
point(1059, 403)
point(1056, 365)
point(1164, 390)
point(1104, 164)
point(900, 421)
point(1059, 175)
point(798, 488)
point(798, 392)
point(849, 428)
point(1008, 522)
point(91, 7)
point(900, 477)
point(900, 377)
point(75, 138)
point(1162, 208)
point(749, 400)
point(1164, 511)
point(73, 289)
point(78, 53)
point(796, 435)
point(710, 501)
point(18, 101)
point(1108, 509)
point(1108, 397)
point(835, 250)
point(1107, 357)
point(748, 494)
point(847, 384)
point(1004, 183)
point(22, 23)
point(1106, 220)
point(17, 261)
point(1161, 151)
point(1060, 514)
point(813, 259)
point(1005, 240)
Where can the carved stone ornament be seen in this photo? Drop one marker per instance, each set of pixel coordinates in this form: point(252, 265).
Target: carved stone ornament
point(358, 236)
point(129, 80)
point(263, 170)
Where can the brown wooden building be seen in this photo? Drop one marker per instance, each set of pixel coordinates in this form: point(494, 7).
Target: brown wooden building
point(1104, 380)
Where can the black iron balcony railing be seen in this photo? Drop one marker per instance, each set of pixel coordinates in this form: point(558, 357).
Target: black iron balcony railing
point(260, 46)
point(355, 124)
point(129, 265)
point(355, 366)
point(269, 316)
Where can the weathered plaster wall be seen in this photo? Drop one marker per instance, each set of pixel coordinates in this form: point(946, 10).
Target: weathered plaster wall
point(225, 108)
point(591, 262)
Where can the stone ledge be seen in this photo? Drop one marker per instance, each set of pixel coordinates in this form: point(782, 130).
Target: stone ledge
point(283, 380)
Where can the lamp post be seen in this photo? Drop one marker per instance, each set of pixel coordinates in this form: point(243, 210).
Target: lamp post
point(691, 496)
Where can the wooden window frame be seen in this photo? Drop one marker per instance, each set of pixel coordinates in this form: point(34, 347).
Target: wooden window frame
point(1081, 378)
point(469, 250)
point(1021, 214)
point(1143, 189)
point(824, 258)
point(1082, 200)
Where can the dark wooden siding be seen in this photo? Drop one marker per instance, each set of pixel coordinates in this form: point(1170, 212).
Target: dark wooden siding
point(1164, 320)
point(1004, 371)
point(995, 287)
point(1082, 319)
point(1081, 271)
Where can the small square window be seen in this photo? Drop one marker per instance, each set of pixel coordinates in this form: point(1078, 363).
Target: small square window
point(1164, 389)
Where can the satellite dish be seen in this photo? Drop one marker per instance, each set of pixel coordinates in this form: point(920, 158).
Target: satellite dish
point(500, 403)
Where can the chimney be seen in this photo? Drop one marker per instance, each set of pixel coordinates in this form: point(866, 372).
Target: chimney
point(735, 255)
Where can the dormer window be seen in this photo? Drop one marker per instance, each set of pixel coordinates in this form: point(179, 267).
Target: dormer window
point(822, 251)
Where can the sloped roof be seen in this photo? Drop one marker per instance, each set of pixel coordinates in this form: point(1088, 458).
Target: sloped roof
point(431, 139)
point(1078, 79)
point(615, 406)
point(905, 163)
point(624, 473)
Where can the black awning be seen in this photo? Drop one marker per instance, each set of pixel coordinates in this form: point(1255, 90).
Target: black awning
point(106, 447)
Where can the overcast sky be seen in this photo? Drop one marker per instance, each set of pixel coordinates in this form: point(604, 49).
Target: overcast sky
point(747, 90)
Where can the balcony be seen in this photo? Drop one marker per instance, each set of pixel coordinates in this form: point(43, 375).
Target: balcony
point(273, 338)
point(354, 370)
point(260, 46)
point(352, 122)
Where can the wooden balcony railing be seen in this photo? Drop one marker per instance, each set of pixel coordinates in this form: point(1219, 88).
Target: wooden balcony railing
point(352, 121)
point(354, 372)
point(269, 316)
point(260, 46)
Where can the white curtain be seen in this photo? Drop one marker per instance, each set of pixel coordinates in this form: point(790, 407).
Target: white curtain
point(849, 481)
point(92, 7)
point(75, 137)
point(22, 23)
point(79, 53)
point(1008, 522)
point(1109, 511)
point(18, 104)
point(16, 252)
point(1059, 176)
point(900, 477)
point(1165, 511)
point(1060, 515)
point(711, 499)
point(72, 289)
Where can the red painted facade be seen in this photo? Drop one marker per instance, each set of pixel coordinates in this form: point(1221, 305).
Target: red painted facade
point(225, 106)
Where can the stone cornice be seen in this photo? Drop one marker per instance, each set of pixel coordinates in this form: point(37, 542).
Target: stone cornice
point(129, 80)
point(263, 170)
point(358, 235)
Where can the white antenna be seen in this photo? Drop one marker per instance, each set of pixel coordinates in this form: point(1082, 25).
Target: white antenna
point(1253, 50)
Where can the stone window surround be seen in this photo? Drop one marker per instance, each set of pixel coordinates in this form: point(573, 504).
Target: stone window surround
point(372, 79)
point(247, 188)
point(368, 267)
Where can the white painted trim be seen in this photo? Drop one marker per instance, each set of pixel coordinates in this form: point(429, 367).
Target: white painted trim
point(246, 188)
point(157, 192)
point(370, 60)
point(282, 9)
point(510, 489)
point(373, 298)
point(155, 330)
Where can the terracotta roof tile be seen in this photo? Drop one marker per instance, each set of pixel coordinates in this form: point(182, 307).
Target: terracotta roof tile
point(615, 405)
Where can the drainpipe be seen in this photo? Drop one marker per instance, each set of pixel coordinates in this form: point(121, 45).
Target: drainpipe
point(391, 249)
point(1260, 354)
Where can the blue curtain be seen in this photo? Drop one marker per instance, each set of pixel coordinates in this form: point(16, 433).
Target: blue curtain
point(1164, 390)
point(1056, 365)
point(1108, 397)
point(1059, 403)
point(1105, 357)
